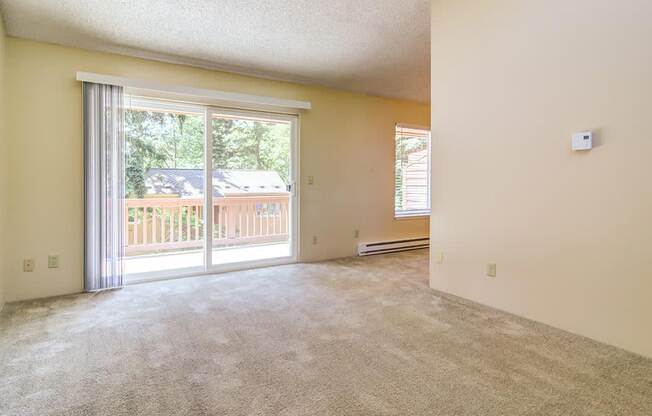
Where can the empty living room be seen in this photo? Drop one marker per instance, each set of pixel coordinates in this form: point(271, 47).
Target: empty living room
point(302, 207)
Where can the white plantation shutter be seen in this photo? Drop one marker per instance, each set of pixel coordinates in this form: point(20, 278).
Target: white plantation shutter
point(412, 171)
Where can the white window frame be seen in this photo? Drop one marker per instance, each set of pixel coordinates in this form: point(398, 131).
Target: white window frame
point(414, 213)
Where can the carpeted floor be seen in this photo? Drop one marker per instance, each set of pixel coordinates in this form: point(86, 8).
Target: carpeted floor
point(359, 336)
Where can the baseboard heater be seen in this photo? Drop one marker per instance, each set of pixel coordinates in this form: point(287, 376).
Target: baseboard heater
point(382, 247)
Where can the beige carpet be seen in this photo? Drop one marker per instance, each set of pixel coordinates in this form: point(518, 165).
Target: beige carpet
point(349, 337)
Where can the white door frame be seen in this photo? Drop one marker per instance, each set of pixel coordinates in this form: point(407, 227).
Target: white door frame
point(294, 196)
point(294, 234)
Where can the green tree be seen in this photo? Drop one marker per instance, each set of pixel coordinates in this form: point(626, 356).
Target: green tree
point(170, 140)
point(251, 145)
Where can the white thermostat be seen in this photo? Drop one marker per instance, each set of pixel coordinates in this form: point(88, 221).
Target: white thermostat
point(582, 140)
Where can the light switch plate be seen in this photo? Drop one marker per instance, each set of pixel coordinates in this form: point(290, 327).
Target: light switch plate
point(53, 261)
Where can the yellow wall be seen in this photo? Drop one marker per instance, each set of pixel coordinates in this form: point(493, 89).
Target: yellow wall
point(3, 164)
point(571, 232)
point(346, 144)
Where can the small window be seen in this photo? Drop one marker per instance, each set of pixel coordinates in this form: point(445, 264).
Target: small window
point(412, 172)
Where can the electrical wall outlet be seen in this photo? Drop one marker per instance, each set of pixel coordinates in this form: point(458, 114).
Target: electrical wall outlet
point(439, 257)
point(491, 269)
point(314, 239)
point(311, 180)
point(356, 234)
point(53, 261)
point(28, 265)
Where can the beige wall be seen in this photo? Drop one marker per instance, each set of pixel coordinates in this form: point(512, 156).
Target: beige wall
point(571, 233)
point(3, 165)
point(346, 144)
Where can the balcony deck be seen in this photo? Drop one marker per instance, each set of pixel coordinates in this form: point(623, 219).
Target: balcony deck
point(164, 235)
point(152, 263)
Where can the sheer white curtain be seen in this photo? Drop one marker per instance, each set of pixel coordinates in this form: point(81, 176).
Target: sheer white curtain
point(103, 186)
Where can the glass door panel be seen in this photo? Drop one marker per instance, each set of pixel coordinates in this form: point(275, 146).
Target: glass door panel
point(164, 177)
point(253, 175)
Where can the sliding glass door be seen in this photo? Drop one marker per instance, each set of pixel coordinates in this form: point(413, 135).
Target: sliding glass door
point(170, 148)
point(164, 188)
point(252, 178)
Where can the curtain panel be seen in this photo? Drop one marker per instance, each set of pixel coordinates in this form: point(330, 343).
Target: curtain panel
point(103, 186)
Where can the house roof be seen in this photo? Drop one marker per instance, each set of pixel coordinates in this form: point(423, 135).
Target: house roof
point(189, 183)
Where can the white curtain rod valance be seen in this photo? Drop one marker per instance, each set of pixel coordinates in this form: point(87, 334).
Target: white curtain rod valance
point(197, 94)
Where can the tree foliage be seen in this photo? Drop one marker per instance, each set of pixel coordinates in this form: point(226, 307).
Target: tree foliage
point(171, 140)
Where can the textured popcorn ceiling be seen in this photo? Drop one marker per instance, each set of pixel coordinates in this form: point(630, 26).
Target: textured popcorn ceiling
point(379, 47)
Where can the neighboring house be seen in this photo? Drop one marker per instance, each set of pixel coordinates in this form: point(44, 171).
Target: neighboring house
point(189, 183)
point(415, 180)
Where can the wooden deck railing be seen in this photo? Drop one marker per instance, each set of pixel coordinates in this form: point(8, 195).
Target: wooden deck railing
point(166, 224)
